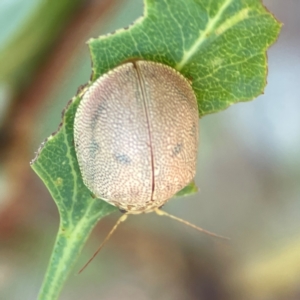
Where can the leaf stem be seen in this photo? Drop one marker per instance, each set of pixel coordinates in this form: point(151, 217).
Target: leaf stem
point(67, 248)
point(68, 245)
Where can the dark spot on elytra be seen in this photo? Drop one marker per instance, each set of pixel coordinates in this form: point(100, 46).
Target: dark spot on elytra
point(177, 149)
point(123, 159)
point(101, 108)
point(128, 74)
point(193, 130)
point(180, 92)
point(94, 149)
point(123, 211)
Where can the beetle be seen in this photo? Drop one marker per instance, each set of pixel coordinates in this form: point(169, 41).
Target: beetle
point(136, 138)
point(136, 135)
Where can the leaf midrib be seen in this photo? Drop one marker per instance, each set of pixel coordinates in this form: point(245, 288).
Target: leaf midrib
point(187, 54)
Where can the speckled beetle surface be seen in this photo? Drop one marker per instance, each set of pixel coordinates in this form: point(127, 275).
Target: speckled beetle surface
point(136, 135)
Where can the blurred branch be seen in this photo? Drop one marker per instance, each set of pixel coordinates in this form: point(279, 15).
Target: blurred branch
point(24, 53)
point(15, 135)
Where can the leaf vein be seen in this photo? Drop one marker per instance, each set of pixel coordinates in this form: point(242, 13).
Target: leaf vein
point(203, 35)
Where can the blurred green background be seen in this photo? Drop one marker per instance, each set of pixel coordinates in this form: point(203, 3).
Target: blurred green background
point(248, 172)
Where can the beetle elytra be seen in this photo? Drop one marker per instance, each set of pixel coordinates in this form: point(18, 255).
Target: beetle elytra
point(136, 135)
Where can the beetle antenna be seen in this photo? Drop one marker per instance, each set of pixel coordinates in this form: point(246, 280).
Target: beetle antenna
point(121, 219)
point(163, 213)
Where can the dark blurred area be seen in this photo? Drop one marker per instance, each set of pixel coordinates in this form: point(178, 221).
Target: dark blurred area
point(248, 172)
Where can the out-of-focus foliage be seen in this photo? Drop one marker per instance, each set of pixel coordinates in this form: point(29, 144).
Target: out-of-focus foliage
point(39, 25)
point(249, 172)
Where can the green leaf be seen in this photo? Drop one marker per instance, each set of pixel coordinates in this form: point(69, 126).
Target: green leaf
point(79, 211)
point(219, 45)
point(188, 190)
